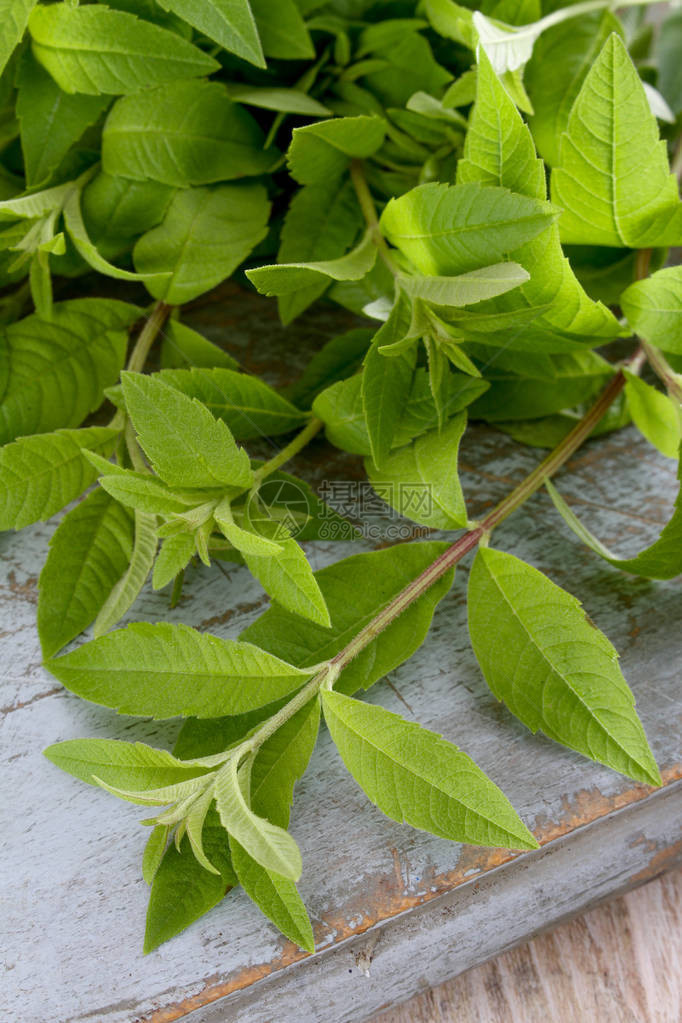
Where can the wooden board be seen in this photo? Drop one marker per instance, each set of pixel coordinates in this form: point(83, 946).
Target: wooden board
point(410, 908)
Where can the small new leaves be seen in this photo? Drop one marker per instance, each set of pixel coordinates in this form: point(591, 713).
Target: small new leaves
point(415, 776)
point(270, 846)
point(165, 671)
point(552, 667)
point(185, 444)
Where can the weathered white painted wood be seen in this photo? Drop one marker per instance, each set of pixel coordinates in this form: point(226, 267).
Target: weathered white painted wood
point(73, 899)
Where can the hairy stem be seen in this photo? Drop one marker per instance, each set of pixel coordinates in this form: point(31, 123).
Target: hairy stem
point(664, 371)
point(147, 336)
point(357, 174)
point(438, 568)
point(291, 449)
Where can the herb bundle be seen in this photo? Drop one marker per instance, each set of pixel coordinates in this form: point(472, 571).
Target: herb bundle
point(491, 191)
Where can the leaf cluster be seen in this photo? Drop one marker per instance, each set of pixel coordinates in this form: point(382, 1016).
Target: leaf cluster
point(488, 190)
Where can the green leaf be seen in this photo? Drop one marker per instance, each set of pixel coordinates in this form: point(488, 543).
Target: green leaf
point(184, 348)
point(286, 101)
point(13, 19)
point(321, 151)
point(182, 891)
point(465, 289)
point(499, 150)
point(89, 552)
point(75, 227)
point(280, 762)
point(613, 179)
point(94, 49)
point(269, 845)
point(386, 385)
point(654, 414)
point(287, 577)
point(321, 223)
point(542, 385)
point(452, 21)
point(181, 134)
point(340, 408)
point(355, 590)
point(173, 557)
point(661, 560)
point(164, 671)
point(307, 517)
point(282, 30)
point(205, 235)
point(552, 667)
point(227, 22)
point(123, 765)
point(153, 852)
point(244, 540)
point(117, 210)
point(285, 278)
point(275, 896)
point(59, 368)
point(406, 64)
point(416, 776)
point(420, 481)
point(249, 406)
point(128, 587)
point(187, 446)
point(451, 229)
point(51, 120)
point(561, 60)
point(654, 308)
point(40, 475)
point(145, 492)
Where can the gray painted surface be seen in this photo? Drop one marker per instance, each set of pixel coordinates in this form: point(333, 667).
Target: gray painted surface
point(74, 901)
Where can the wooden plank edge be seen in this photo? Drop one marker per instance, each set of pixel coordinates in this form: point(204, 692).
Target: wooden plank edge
point(385, 900)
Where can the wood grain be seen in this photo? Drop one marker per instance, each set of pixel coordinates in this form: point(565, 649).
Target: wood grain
point(618, 963)
point(73, 898)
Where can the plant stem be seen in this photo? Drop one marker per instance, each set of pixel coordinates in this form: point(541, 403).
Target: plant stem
point(147, 336)
point(357, 174)
point(291, 449)
point(438, 568)
point(664, 371)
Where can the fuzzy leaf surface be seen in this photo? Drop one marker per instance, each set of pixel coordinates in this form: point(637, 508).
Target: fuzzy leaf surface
point(324, 150)
point(654, 308)
point(58, 368)
point(452, 229)
point(89, 552)
point(94, 49)
point(249, 406)
point(420, 480)
point(613, 180)
point(123, 765)
point(182, 134)
point(227, 22)
point(164, 671)
point(552, 667)
point(40, 474)
point(499, 150)
point(417, 777)
point(187, 446)
point(203, 238)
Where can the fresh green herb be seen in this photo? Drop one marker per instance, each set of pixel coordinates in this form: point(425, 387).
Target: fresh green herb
point(494, 191)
